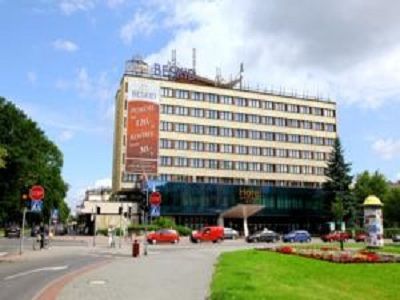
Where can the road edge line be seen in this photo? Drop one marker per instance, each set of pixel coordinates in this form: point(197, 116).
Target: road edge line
point(53, 288)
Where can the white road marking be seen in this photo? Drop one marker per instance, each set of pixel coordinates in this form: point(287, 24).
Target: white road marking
point(57, 268)
point(3, 253)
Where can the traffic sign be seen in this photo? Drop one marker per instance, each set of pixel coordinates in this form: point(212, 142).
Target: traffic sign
point(155, 210)
point(155, 198)
point(54, 214)
point(37, 206)
point(36, 193)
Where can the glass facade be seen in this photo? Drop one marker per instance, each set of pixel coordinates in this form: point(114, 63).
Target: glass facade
point(198, 204)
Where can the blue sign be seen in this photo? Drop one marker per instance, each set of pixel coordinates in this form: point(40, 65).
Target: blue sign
point(36, 206)
point(54, 214)
point(155, 210)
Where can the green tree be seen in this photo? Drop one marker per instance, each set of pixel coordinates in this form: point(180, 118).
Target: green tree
point(31, 159)
point(3, 154)
point(391, 207)
point(339, 180)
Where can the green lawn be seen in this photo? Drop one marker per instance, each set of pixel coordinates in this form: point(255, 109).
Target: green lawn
point(391, 248)
point(252, 274)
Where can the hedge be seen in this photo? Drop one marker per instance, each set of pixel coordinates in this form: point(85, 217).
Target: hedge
point(139, 229)
point(387, 232)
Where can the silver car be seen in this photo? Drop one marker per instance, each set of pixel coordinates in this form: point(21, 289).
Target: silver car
point(230, 233)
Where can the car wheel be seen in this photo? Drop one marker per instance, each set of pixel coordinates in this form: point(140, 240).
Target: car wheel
point(309, 240)
point(175, 241)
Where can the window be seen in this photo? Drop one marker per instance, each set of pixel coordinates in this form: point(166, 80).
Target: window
point(280, 137)
point(268, 152)
point(330, 127)
point(317, 111)
point(306, 154)
point(294, 169)
point(292, 108)
point(294, 153)
point(166, 126)
point(241, 133)
point(319, 171)
point(307, 170)
point(318, 141)
point(211, 130)
point(241, 149)
point(281, 152)
point(227, 165)
point(268, 168)
point(280, 122)
point(226, 132)
point(167, 109)
point(180, 162)
point(166, 160)
point(292, 123)
point(197, 96)
point(166, 92)
point(211, 147)
point(329, 113)
point(305, 139)
point(226, 148)
point(254, 167)
point(267, 120)
point(213, 164)
point(254, 134)
point(197, 163)
point(226, 100)
point(224, 115)
point(211, 98)
point(180, 127)
point(255, 150)
point(268, 136)
point(211, 114)
point(197, 129)
point(304, 110)
point(182, 94)
point(253, 119)
point(281, 168)
point(197, 146)
point(181, 145)
point(319, 155)
point(280, 106)
point(240, 101)
point(253, 103)
point(293, 138)
point(317, 126)
point(239, 117)
point(329, 142)
point(307, 125)
point(197, 112)
point(241, 166)
point(181, 111)
point(268, 105)
point(165, 144)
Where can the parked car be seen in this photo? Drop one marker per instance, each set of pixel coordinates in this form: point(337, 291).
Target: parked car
point(297, 236)
point(396, 238)
point(163, 236)
point(208, 234)
point(266, 235)
point(230, 233)
point(360, 237)
point(12, 231)
point(335, 236)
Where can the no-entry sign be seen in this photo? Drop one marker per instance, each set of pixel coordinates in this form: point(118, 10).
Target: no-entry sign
point(36, 192)
point(155, 198)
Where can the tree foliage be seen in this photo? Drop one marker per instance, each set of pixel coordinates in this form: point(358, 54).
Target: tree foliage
point(392, 207)
point(31, 159)
point(338, 182)
point(3, 154)
point(370, 184)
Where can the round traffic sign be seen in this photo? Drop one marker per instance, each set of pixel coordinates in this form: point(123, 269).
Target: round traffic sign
point(36, 192)
point(155, 198)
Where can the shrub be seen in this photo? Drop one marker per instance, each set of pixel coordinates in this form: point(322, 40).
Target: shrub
point(389, 232)
point(183, 230)
point(286, 250)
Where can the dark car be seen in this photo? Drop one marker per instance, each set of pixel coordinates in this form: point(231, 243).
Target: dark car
point(12, 231)
point(396, 238)
point(266, 235)
point(297, 236)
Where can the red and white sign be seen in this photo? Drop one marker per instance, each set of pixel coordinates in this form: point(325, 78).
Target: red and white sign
point(155, 198)
point(36, 192)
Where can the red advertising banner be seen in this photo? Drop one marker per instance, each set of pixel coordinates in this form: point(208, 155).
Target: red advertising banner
point(142, 137)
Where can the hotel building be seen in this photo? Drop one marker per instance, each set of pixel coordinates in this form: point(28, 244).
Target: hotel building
point(220, 153)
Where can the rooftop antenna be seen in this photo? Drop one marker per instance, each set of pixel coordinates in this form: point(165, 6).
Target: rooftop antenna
point(241, 75)
point(218, 76)
point(173, 59)
point(194, 60)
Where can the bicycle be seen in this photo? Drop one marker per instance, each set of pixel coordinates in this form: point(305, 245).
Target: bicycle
point(37, 243)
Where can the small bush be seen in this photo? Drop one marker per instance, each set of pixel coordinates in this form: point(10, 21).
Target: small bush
point(389, 232)
point(183, 230)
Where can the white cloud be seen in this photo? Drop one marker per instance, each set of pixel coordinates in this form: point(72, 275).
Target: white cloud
point(32, 77)
point(387, 148)
point(347, 52)
point(66, 135)
point(397, 176)
point(65, 45)
point(114, 3)
point(69, 7)
point(142, 23)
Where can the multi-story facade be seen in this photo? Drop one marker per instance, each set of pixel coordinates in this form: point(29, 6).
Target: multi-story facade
point(181, 128)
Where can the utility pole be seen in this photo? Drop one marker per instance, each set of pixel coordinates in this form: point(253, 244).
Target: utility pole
point(94, 225)
point(22, 233)
point(120, 223)
point(145, 219)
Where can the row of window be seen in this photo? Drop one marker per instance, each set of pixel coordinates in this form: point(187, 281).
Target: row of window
point(170, 161)
point(244, 133)
point(241, 149)
point(220, 180)
point(245, 102)
point(245, 118)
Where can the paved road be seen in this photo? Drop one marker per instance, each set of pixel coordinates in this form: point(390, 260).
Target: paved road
point(23, 279)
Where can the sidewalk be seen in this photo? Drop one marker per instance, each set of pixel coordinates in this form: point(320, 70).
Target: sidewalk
point(167, 273)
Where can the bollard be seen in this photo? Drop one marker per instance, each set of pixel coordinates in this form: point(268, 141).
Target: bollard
point(135, 249)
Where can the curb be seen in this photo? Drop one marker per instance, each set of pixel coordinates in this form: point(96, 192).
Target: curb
point(53, 289)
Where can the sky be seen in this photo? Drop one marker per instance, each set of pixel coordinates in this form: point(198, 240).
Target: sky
point(61, 62)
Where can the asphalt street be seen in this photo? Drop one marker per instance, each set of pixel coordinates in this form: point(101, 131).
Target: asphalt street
point(22, 280)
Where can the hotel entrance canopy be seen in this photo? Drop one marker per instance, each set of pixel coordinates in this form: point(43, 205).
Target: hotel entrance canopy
point(242, 211)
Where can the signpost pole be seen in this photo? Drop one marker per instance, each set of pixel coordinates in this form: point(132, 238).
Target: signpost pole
point(120, 226)
point(21, 242)
point(94, 226)
point(145, 220)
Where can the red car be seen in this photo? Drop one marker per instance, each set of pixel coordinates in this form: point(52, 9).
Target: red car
point(335, 236)
point(163, 236)
point(208, 234)
point(360, 237)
